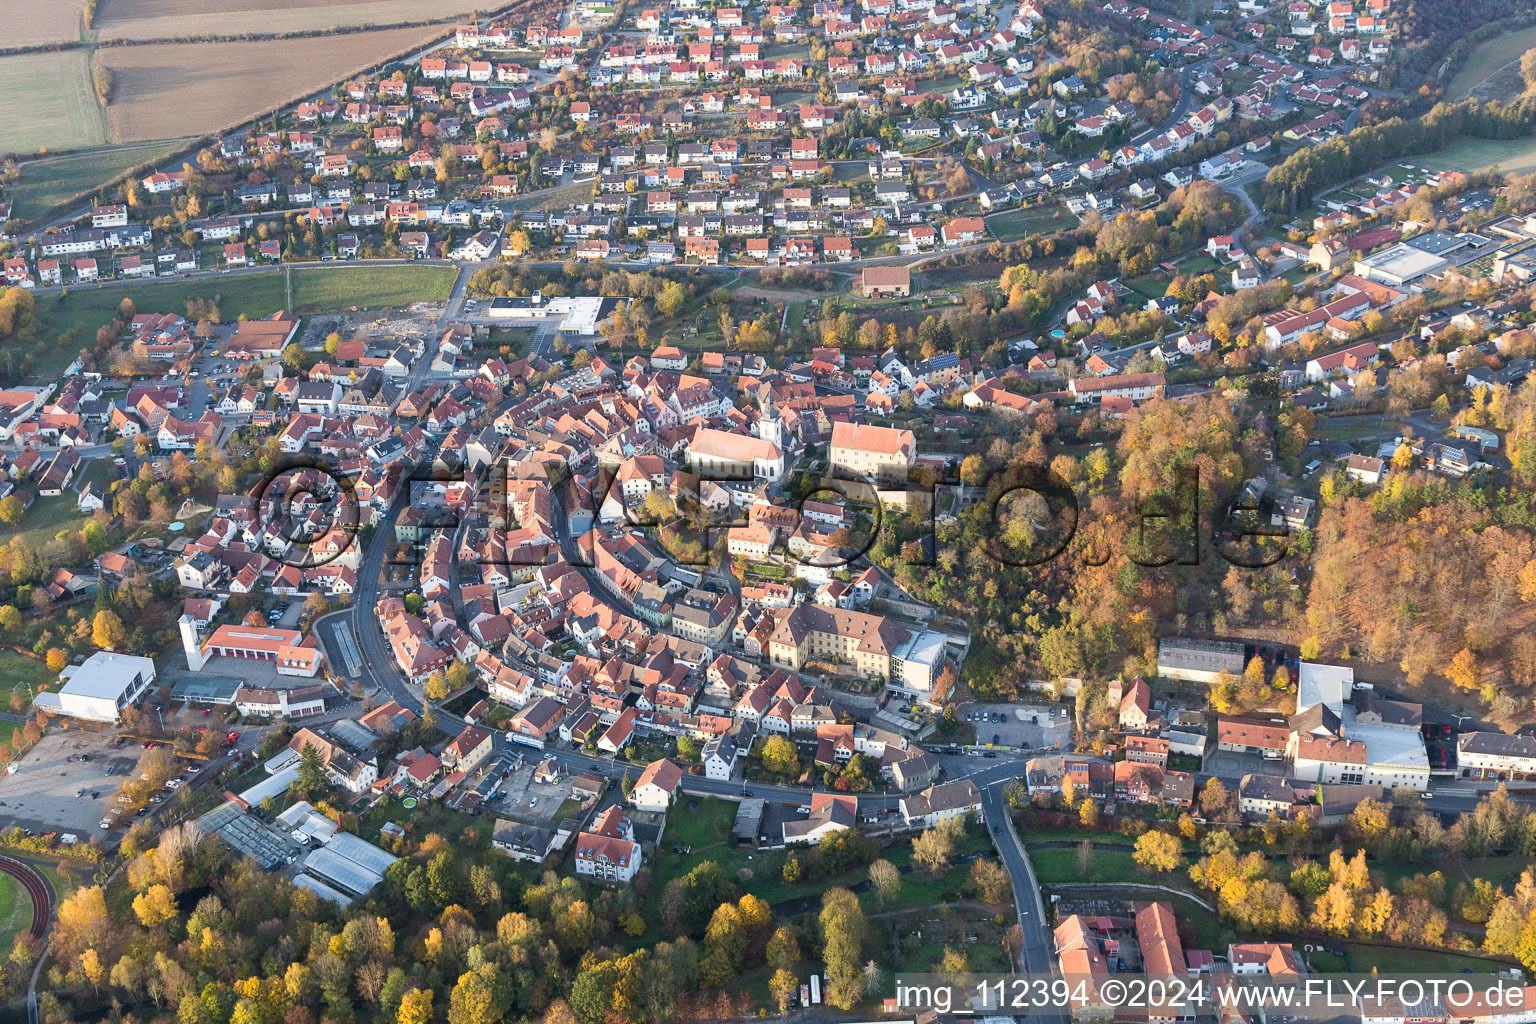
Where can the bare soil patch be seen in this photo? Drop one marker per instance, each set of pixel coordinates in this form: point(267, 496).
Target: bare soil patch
point(1504, 84)
point(180, 19)
point(173, 90)
point(39, 22)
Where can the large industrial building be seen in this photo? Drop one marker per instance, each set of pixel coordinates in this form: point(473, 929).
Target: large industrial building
point(99, 689)
point(1400, 266)
point(1198, 661)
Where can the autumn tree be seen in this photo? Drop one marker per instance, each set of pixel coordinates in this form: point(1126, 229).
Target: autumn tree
point(842, 929)
point(934, 848)
point(155, 906)
point(781, 757)
point(1158, 851)
point(885, 878)
point(415, 1007)
point(990, 881)
point(107, 630)
point(1463, 671)
point(782, 986)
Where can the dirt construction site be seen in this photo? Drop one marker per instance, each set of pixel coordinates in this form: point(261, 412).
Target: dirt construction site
point(418, 320)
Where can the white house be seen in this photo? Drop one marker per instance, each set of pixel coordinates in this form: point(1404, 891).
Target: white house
point(657, 786)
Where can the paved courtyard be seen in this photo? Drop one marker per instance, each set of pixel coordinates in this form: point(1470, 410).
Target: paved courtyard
point(1020, 726)
point(530, 802)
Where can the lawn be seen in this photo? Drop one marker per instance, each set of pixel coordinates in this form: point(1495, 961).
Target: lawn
point(1395, 960)
point(794, 316)
point(1033, 220)
point(1488, 57)
point(44, 520)
point(50, 103)
point(1154, 286)
point(15, 911)
point(1107, 866)
point(327, 289)
point(52, 180)
point(318, 290)
point(1330, 430)
point(1198, 263)
point(1512, 155)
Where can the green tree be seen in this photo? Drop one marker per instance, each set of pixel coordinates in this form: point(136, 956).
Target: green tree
point(311, 770)
point(96, 541)
point(672, 300)
point(781, 757)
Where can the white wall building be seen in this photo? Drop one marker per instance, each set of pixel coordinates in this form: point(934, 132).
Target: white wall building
point(101, 688)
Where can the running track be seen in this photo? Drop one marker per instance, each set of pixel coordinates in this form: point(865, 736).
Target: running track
point(42, 899)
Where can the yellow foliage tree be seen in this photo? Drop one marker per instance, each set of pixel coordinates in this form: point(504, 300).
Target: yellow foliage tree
point(1463, 669)
point(155, 906)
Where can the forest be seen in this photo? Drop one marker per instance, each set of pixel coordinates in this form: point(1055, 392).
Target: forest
point(187, 931)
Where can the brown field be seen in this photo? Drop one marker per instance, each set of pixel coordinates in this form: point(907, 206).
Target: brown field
point(179, 19)
point(37, 22)
point(172, 90)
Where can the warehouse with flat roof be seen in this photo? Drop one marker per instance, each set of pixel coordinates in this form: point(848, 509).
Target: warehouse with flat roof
point(1400, 265)
point(99, 689)
point(1198, 661)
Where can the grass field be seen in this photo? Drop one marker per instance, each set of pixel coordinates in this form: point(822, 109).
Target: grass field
point(169, 19)
point(49, 181)
point(1331, 430)
point(15, 911)
point(1488, 58)
point(46, 517)
point(705, 825)
point(170, 90)
point(1107, 866)
point(1033, 220)
point(1513, 155)
point(319, 290)
point(50, 103)
point(17, 672)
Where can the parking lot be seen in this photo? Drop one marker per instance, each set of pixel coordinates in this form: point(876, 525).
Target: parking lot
point(54, 791)
point(1020, 726)
point(530, 802)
